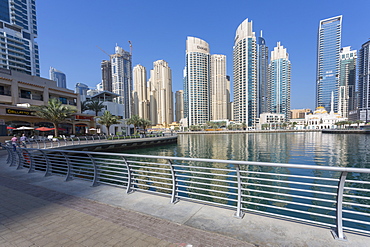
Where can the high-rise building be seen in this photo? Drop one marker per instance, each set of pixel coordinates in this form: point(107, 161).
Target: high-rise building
point(328, 63)
point(347, 81)
point(245, 75)
point(220, 90)
point(58, 76)
point(197, 81)
point(161, 100)
point(279, 80)
point(106, 75)
point(364, 82)
point(121, 63)
point(140, 93)
point(81, 89)
point(179, 105)
point(263, 88)
point(18, 31)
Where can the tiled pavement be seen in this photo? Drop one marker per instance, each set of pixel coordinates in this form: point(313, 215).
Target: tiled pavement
point(31, 215)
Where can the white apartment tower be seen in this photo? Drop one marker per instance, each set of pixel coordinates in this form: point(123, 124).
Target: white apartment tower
point(18, 31)
point(245, 75)
point(347, 81)
point(121, 63)
point(197, 82)
point(220, 88)
point(140, 92)
point(161, 96)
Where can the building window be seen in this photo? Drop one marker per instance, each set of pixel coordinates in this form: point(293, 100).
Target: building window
point(25, 94)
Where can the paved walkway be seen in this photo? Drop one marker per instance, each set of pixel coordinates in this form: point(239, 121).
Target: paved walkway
point(46, 211)
point(32, 215)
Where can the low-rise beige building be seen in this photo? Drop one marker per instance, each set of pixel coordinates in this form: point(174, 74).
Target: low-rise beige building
point(19, 91)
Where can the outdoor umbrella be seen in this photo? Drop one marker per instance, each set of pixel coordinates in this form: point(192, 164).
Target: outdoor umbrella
point(25, 128)
point(44, 129)
point(92, 129)
point(10, 128)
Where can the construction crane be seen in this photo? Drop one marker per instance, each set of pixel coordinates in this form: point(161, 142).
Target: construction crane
point(103, 51)
point(130, 47)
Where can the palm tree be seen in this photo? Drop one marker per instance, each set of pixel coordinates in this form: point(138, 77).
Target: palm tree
point(84, 106)
point(135, 120)
point(145, 123)
point(54, 112)
point(95, 105)
point(108, 120)
point(358, 122)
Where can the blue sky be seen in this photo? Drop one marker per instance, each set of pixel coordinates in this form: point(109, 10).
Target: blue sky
point(69, 33)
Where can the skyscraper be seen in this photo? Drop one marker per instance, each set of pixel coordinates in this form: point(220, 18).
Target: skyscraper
point(364, 82)
point(263, 88)
point(161, 100)
point(197, 81)
point(179, 105)
point(18, 31)
point(106, 75)
point(279, 80)
point(58, 76)
point(245, 75)
point(220, 90)
point(347, 81)
point(121, 63)
point(328, 63)
point(140, 92)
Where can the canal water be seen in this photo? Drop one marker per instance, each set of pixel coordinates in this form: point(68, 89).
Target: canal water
point(309, 148)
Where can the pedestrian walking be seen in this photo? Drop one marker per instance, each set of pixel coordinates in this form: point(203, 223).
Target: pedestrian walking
point(14, 141)
point(23, 140)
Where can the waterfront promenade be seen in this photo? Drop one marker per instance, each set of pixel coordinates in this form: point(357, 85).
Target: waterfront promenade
point(46, 211)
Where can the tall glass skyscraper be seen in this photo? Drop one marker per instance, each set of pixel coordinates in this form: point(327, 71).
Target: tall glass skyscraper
point(364, 82)
point(58, 76)
point(263, 88)
point(328, 62)
point(18, 31)
point(197, 82)
point(279, 77)
point(122, 84)
point(245, 75)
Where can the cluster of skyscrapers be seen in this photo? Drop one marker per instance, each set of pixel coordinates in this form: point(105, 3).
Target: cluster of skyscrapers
point(260, 85)
point(261, 78)
point(336, 73)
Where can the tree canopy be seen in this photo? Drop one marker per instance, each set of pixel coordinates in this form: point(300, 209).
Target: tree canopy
point(54, 112)
point(95, 105)
point(107, 119)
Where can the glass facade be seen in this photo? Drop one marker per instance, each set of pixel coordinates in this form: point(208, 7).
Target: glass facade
point(364, 78)
point(59, 77)
point(263, 87)
point(329, 45)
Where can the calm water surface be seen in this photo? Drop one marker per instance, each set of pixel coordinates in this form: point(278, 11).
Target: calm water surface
point(311, 148)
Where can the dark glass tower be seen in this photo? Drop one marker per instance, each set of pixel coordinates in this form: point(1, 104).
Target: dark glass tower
point(364, 82)
point(263, 87)
point(328, 63)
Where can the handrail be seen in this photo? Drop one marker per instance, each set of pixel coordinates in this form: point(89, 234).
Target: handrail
point(265, 190)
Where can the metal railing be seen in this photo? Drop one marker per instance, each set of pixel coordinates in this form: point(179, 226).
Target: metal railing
point(78, 140)
point(335, 197)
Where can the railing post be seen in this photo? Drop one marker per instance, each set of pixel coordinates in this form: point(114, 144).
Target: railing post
point(65, 141)
point(44, 143)
point(96, 179)
point(338, 232)
point(73, 143)
point(48, 165)
point(79, 141)
point(27, 158)
point(174, 198)
point(239, 213)
point(69, 168)
point(86, 139)
point(129, 177)
point(38, 144)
